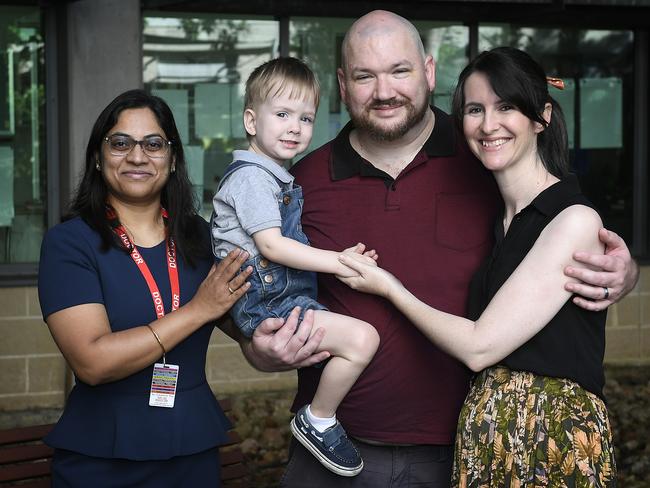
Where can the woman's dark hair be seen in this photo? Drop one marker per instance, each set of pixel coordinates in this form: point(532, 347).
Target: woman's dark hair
point(517, 79)
point(177, 196)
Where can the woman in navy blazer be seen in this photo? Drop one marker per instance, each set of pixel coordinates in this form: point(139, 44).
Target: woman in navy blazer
point(130, 295)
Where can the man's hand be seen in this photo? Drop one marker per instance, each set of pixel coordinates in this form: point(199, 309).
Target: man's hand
point(276, 346)
point(611, 277)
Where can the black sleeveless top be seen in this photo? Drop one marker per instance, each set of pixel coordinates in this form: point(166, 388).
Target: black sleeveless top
point(572, 344)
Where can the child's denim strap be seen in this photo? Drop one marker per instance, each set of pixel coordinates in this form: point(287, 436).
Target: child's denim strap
point(235, 165)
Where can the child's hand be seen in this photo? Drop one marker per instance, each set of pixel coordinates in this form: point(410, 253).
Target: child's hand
point(372, 254)
point(360, 248)
point(359, 253)
point(368, 278)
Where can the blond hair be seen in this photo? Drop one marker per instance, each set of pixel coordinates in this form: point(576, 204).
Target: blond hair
point(281, 76)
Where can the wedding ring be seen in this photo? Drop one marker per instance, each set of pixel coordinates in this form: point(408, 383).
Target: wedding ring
point(231, 290)
point(606, 293)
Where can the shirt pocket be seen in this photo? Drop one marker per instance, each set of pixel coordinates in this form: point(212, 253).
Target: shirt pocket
point(463, 220)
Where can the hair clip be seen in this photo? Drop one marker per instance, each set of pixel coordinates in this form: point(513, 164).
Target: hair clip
point(556, 82)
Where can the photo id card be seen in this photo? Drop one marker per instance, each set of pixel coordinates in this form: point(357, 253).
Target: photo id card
point(163, 385)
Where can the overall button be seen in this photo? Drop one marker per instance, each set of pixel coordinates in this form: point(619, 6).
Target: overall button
point(286, 200)
point(268, 279)
point(264, 263)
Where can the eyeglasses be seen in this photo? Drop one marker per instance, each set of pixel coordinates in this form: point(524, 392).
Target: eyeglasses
point(152, 146)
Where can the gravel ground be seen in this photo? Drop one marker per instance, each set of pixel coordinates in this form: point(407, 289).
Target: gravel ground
point(262, 420)
point(628, 401)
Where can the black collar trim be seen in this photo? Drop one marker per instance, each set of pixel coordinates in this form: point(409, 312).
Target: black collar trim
point(345, 162)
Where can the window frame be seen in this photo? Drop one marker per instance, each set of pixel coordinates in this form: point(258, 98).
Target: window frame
point(26, 274)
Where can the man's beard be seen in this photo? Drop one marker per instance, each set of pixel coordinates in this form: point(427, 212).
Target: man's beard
point(363, 122)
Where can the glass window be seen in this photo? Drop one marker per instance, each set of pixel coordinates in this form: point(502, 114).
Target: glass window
point(597, 68)
point(23, 172)
point(199, 65)
point(448, 44)
point(317, 40)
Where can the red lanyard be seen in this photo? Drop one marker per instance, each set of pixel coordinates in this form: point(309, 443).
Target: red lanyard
point(172, 268)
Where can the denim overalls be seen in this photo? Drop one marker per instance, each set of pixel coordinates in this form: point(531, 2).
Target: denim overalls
point(275, 289)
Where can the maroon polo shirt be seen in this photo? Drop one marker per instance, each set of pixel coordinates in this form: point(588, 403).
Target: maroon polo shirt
point(432, 227)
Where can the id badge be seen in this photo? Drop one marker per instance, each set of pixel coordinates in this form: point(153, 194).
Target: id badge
point(163, 385)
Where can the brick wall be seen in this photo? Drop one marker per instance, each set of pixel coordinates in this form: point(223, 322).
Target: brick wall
point(628, 326)
point(33, 373)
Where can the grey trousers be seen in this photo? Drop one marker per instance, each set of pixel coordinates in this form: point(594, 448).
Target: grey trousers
point(384, 467)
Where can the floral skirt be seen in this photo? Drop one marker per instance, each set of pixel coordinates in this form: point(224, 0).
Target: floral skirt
point(518, 429)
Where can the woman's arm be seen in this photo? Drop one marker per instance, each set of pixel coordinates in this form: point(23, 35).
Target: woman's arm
point(528, 300)
point(279, 249)
point(98, 355)
point(614, 270)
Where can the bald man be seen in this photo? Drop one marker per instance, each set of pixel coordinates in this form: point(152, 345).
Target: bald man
point(399, 179)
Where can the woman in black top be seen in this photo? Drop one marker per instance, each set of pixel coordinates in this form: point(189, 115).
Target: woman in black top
point(535, 413)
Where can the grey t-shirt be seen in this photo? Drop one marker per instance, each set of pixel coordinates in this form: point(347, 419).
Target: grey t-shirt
point(246, 203)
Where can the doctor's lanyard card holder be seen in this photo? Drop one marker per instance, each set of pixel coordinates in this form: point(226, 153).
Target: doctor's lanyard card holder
point(165, 376)
point(163, 380)
point(163, 385)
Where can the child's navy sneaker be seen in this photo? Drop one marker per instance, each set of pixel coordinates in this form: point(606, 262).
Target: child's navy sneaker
point(332, 447)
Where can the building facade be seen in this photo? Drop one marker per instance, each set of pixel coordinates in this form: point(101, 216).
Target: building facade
point(61, 62)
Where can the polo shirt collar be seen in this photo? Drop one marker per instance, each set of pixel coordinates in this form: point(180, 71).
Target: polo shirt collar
point(345, 162)
point(548, 201)
point(278, 171)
